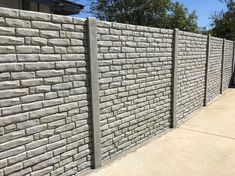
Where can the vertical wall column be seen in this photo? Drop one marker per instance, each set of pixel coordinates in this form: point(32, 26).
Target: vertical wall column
point(207, 68)
point(222, 67)
point(95, 102)
point(175, 77)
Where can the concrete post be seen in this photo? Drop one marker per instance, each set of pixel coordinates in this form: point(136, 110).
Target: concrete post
point(222, 67)
point(95, 102)
point(207, 68)
point(175, 78)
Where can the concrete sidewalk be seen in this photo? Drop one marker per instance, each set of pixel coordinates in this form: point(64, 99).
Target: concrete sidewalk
point(202, 146)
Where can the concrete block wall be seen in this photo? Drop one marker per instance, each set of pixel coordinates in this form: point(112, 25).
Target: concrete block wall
point(215, 63)
point(44, 95)
point(135, 65)
point(191, 73)
point(227, 67)
point(47, 94)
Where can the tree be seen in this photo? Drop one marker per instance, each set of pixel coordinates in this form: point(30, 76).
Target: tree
point(180, 18)
point(204, 30)
point(155, 13)
point(223, 22)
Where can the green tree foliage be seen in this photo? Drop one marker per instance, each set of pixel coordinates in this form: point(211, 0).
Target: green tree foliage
point(223, 23)
point(182, 19)
point(155, 13)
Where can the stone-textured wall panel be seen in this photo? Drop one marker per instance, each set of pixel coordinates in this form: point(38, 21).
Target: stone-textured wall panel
point(228, 57)
point(214, 66)
point(135, 65)
point(44, 95)
point(191, 73)
point(45, 102)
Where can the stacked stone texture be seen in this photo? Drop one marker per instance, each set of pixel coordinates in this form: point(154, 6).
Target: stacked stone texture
point(191, 73)
point(44, 90)
point(214, 66)
point(228, 57)
point(45, 102)
point(135, 66)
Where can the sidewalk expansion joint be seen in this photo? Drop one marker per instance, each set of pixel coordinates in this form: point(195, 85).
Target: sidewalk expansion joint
point(208, 133)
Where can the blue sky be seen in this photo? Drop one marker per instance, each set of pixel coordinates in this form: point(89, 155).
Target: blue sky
point(204, 9)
